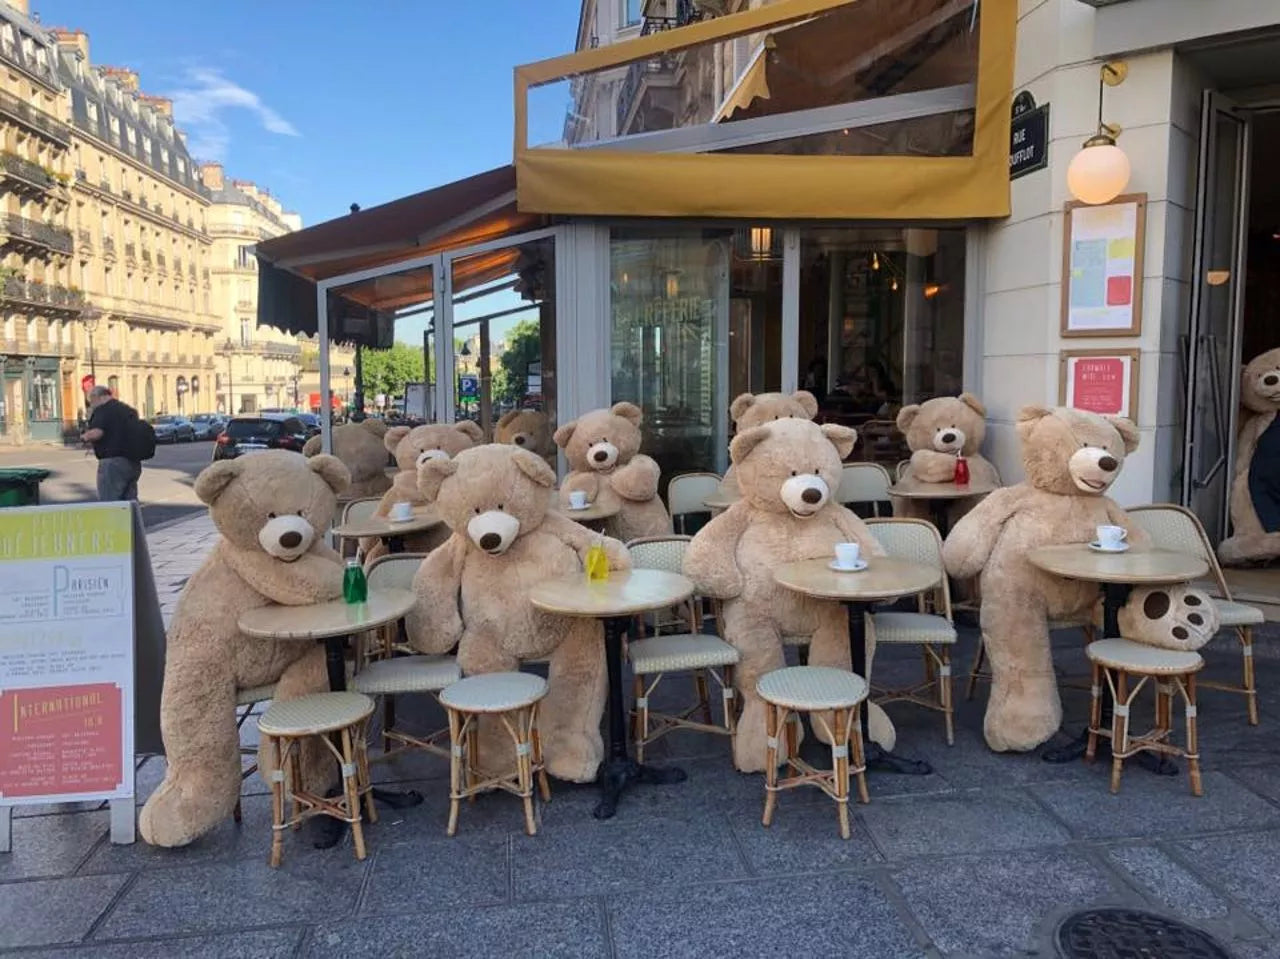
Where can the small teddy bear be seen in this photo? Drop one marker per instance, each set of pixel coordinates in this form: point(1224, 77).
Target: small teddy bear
point(529, 430)
point(1255, 491)
point(605, 462)
point(755, 409)
point(360, 447)
point(473, 593)
point(272, 510)
point(938, 431)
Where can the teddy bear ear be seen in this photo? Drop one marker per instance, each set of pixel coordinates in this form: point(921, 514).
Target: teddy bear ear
point(377, 427)
point(1127, 430)
point(332, 470)
point(216, 478)
point(470, 429)
point(907, 415)
point(312, 446)
point(534, 467)
point(842, 437)
point(432, 474)
point(740, 405)
point(565, 433)
point(391, 439)
point(1028, 417)
point(506, 418)
point(807, 402)
point(746, 441)
point(628, 411)
point(975, 404)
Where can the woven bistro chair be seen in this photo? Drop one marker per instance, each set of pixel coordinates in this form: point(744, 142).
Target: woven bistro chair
point(930, 627)
point(864, 483)
point(355, 511)
point(248, 699)
point(677, 646)
point(685, 495)
point(1176, 528)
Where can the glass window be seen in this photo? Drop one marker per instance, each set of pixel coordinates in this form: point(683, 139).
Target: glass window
point(631, 12)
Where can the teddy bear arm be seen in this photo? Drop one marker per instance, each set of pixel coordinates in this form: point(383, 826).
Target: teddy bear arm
point(970, 542)
point(1118, 517)
point(588, 483)
point(638, 480)
point(853, 530)
point(711, 559)
point(434, 625)
point(930, 466)
point(311, 578)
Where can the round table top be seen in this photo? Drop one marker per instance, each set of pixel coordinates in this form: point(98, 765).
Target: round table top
point(324, 620)
point(593, 512)
point(424, 517)
point(719, 500)
point(884, 578)
point(1134, 567)
point(913, 489)
point(392, 471)
point(622, 594)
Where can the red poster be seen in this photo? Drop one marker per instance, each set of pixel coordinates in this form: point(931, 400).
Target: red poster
point(1097, 384)
point(1119, 290)
point(60, 740)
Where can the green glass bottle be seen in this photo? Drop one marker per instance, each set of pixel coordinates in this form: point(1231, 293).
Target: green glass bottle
point(355, 588)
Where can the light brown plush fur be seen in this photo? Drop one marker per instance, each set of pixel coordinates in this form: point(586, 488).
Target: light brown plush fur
point(258, 503)
point(603, 452)
point(1066, 454)
point(733, 557)
point(1260, 395)
point(360, 447)
point(529, 430)
point(473, 593)
point(937, 431)
point(755, 409)
point(1170, 617)
point(411, 447)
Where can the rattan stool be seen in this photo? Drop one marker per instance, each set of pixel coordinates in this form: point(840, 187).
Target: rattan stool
point(815, 690)
point(338, 720)
point(1116, 660)
point(513, 699)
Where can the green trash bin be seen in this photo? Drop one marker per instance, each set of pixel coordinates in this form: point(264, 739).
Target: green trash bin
point(21, 487)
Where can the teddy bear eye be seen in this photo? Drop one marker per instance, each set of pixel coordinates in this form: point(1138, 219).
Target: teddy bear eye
point(793, 472)
point(816, 472)
point(299, 512)
point(501, 507)
point(477, 510)
point(271, 516)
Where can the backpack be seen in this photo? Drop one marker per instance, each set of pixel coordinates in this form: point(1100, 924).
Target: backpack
point(140, 438)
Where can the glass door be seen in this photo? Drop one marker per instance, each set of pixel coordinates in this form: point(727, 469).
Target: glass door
point(1217, 301)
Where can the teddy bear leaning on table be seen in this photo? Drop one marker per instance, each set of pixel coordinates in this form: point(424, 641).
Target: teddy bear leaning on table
point(271, 510)
point(360, 447)
point(938, 431)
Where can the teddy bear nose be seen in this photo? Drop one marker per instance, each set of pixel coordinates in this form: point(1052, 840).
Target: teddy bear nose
point(1107, 463)
point(1271, 379)
point(948, 437)
point(811, 495)
point(490, 541)
point(290, 539)
point(600, 456)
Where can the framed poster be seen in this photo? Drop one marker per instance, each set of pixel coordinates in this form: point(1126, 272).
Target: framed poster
point(1100, 381)
point(1102, 267)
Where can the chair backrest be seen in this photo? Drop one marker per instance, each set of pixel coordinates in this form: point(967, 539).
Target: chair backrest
point(686, 492)
point(903, 466)
point(394, 571)
point(863, 483)
point(1177, 528)
point(360, 509)
point(659, 552)
point(916, 540)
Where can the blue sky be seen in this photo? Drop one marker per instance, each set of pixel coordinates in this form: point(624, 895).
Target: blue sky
point(326, 103)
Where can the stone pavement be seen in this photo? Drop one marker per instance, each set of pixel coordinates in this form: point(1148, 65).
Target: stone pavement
point(980, 859)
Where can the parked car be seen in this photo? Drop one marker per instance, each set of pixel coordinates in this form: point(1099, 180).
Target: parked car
point(251, 434)
point(173, 429)
point(208, 425)
point(310, 421)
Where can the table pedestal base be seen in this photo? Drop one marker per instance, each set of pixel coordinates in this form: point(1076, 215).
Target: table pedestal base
point(616, 775)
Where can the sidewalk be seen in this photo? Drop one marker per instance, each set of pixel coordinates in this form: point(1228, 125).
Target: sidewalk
point(177, 550)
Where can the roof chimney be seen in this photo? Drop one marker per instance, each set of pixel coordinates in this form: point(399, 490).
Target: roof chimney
point(127, 78)
point(72, 40)
point(162, 105)
point(211, 175)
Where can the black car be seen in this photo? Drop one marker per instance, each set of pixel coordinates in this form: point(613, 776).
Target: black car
point(251, 434)
point(310, 421)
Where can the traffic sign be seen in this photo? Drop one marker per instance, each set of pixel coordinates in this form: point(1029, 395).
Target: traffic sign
point(469, 387)
point(86, 383)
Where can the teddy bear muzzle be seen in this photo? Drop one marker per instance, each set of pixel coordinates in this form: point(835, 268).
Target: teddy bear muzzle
point(1269, 385)
point(1093, 469)
point(286, 537)
point(493, 531)
point(949, 440)
point(602, 456)
point(805, 495)
point(426, 456)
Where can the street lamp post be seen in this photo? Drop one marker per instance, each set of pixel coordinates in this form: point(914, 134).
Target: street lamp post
point(229, 347)
point(89, 317)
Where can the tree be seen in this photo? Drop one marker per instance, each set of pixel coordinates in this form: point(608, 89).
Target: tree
point(387, 371)
point(524, 346)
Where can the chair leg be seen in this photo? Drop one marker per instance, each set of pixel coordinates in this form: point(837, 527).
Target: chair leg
point(544, 786)
point(1095, 713)
point(730, 702)
point(771, 717)
point(456, 753)
point(523, 719)
point(364, 779)
point(473, 756)
point(238, 814)
point(388, 721)
point(1250, 683)
point(277, 802)
point(704, 694)
point(350, 784)
point(859, 761)
point(979, 658)
point(1119, 728)
point(946, 694)
point(840, 768)
point(1193, 736)
point(641, 713)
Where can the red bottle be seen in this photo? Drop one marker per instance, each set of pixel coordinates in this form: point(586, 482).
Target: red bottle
point(962, 471)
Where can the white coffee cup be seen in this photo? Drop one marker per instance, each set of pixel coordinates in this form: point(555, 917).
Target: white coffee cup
point(847, 555)
point(1111, 537)
point(577, 499)
point(402, 511)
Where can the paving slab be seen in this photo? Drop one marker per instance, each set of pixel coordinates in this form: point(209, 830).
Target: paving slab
point(259, 944)
point(463, 872)
point(1168, 883)
point(49, 846)
point(1245, 867)
point(54, 911)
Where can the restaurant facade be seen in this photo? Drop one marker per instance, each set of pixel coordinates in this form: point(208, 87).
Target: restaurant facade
point(868, 199)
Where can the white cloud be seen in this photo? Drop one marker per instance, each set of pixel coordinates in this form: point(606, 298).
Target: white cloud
point(199, 105)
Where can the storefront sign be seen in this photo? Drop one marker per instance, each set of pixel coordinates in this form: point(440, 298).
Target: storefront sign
point(1102, 267)
point(1100, 381)
point(1029, 146)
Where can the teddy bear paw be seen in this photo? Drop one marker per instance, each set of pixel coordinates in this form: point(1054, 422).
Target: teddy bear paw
point(1170, 617)
point(574, 756)
point(163, 820)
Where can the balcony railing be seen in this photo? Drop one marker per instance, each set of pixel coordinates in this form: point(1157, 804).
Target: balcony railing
point(115, 356)
point(33, 231)
point(34, 293)
point(276, 349)
point(23, 170)
point(177, 264)
point(36, 120)
point(108, 246)
point(245, 306)
point(161, 264)
point(135, 356)
point(146, 257)
point(142, 202)
point(104, 185)
point(130, 253)
point(84, 237)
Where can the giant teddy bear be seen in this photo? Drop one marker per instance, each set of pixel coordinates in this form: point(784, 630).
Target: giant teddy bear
point(1255, 491)
point(473, 592)
point(271, 510)
point(528, 429)
point(754, 409)
point(788, 472)
point(360, 447)
point(938, 431)
point(1071, 458)
point(603, 451)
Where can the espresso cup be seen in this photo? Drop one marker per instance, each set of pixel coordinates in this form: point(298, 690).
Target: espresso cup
point(847, 555)
point(402, 511)
point(1111, 537)
point(578, 499)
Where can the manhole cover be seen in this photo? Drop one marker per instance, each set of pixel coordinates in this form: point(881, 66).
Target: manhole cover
point(1129, 934)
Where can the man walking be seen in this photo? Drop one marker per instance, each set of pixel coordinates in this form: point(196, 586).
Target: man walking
point(111, 435)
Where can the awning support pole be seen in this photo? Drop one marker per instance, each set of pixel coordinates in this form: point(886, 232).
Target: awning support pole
point(322, 335)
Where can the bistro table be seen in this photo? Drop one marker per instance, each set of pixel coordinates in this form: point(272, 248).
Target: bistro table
point(393, 531)
point(1118, 573)
point(719, 500)
point(594, 515)
point(885, 578)
point(940, 496)
point(615, 600)
point(392, 472)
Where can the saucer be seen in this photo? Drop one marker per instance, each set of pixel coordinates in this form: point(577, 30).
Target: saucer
point(578, 509)
point(1099, 548)
point(857, 567)
point(407, 519)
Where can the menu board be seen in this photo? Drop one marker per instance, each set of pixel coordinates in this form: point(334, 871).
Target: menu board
point(66, 653)
point(1100, 381)
point(1102, 269)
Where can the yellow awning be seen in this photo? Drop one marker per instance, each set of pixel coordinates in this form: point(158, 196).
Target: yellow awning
point(751, 86)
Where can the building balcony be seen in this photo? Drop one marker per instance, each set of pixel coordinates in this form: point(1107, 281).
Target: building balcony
point(142, 202)
point(21, 173)
point(130, 254)
point(127, 194)
point(28, 64)
point(649, 96)
point(161, 263)
point(37, 121)
point(268, 348)
point(245, 306)
point(84, 239)
point(108, 247)
point(115, 356)
point(104, 185)
point(20, 231)
point(177, 264)
point(31, 293)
